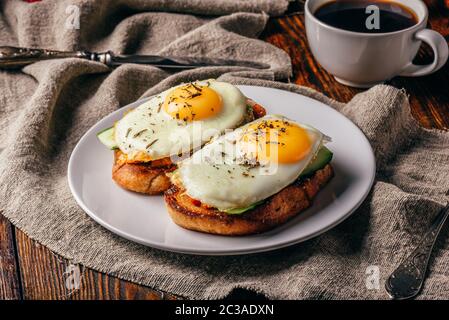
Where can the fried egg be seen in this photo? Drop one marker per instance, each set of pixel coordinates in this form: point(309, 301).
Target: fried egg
point(249, 164)
point(179, 120)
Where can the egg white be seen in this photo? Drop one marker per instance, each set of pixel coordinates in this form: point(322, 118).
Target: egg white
point(149, 129)
point(213, 176)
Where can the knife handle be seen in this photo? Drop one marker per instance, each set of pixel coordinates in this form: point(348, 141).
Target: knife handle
point(14, 57)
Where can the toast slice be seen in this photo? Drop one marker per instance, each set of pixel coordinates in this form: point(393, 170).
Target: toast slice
point(144, 177)
point(276, 210)
point(150, 177)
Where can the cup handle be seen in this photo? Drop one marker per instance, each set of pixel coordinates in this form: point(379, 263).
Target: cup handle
point(440, 49)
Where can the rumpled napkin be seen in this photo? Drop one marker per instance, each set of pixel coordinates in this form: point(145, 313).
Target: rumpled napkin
point(46, 107)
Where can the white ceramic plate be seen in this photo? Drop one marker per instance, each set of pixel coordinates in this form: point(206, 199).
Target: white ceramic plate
point(144, 219)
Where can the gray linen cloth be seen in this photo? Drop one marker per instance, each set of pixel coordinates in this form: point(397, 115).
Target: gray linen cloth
point(46, 107)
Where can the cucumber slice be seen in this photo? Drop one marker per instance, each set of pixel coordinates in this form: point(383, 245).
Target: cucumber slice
point(106, 137)
point(242, 210)
point(323, 157)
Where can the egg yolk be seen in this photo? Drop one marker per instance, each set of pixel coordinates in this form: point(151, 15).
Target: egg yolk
point(276, 141)
point(192, 102)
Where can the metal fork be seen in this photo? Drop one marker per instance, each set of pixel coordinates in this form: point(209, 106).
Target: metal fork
point(407, 280)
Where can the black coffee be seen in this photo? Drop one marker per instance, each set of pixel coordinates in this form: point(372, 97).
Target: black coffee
point(352, 15)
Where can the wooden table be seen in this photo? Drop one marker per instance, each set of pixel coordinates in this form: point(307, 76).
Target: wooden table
point(31, 271)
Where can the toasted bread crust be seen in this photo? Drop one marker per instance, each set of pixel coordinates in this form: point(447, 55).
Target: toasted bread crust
point(277, 210)
point(150, 178)
point(141, 177)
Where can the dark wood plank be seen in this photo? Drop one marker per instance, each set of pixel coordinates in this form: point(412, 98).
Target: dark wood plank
point(46, 275)
point(9, 276)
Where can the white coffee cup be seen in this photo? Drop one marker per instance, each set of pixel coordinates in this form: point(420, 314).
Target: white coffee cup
point(366, 59)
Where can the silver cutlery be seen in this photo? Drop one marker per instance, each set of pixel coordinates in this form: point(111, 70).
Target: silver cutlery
point(13, 57)
point(407, 280)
